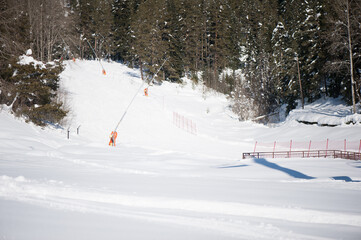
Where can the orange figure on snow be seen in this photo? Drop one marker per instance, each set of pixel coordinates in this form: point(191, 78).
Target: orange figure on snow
point(146, 92)
point(113, 137)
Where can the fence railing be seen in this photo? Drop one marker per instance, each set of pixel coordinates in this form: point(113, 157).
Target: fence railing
point(305, 154)
point(276, 146)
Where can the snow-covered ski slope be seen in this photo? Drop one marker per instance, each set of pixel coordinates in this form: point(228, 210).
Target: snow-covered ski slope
point(161, 181)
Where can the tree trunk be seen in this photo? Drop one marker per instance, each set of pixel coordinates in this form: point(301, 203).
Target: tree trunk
point(31, 27)
point(81, 47)
point(141, 69)
point(300, 83)
point(95, 47)
point(215, 50)
point(351, 59)
point(49, 44)
point(41, 32)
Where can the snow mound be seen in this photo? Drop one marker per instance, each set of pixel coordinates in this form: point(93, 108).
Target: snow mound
point(26, 60)
point(29, 52)
point(325, 112)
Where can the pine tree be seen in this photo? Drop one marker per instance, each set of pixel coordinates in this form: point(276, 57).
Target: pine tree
point(102, 29)
point(122, 15)
point(235, 34)
point(150, 39)
point(191, 27)
point(260, 20)
point(34, 91)
point(94, 27)
point(309, 48)
point(297, 38)
point(172, 35)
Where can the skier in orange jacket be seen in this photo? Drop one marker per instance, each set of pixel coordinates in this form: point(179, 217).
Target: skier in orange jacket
point(113, 137)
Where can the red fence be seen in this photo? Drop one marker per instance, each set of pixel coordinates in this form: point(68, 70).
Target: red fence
point(304, 154)
point(184, 123)
point(342, 145)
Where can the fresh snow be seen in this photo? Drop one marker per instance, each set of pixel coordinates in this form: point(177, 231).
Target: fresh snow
point(163, 182)
point(28, 59)
point(29, 52)
point(330, 112)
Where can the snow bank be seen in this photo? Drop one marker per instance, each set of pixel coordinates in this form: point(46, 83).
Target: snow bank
point(25, 60)
point(325, 112)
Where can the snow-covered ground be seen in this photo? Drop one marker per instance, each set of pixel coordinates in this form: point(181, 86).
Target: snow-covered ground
point(163, 181)
point(327, 112)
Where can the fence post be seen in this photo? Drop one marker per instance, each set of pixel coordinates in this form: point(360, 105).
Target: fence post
point(77, 129)
point(255, 145)
point(309, 148)
point(274, 147)
point(326, 147)
point(290, 147)
point(178, 119)
point(345, 145)
point(189, 126)
point(68, 130)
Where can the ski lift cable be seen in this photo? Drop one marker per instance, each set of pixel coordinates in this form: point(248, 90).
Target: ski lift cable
point(95, 55)
point(68, 47)
point(136, 93)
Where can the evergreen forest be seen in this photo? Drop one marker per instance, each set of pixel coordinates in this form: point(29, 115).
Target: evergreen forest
point(264, 54)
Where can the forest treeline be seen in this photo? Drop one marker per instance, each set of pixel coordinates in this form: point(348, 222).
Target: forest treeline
point(263, 54)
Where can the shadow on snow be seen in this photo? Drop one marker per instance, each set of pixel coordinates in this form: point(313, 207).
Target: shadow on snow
point(288, 171)
point(344, 178)
point(234, 166)
point(132, 74)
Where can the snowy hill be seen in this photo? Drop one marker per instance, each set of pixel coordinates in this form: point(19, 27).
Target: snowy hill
point(176, 172)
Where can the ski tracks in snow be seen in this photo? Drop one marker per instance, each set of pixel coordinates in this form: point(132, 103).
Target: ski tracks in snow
point(226, 217)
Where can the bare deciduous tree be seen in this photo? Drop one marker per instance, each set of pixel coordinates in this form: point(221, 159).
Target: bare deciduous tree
point(49, 20)
point(344, 38)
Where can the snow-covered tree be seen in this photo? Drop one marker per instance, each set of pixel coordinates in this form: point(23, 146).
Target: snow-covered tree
point(343, 38)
